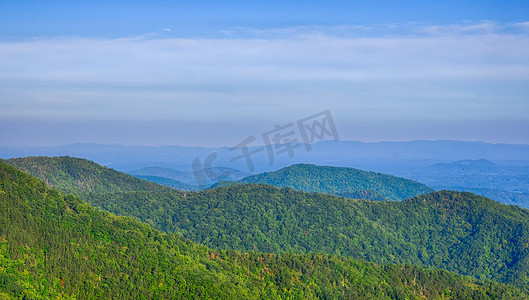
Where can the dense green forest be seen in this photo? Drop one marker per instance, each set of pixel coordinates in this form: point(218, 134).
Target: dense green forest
point(456, 231)
point(346, 182)
point(80, 176)
point(175, 184)
point(57, 246)
point(362, 194)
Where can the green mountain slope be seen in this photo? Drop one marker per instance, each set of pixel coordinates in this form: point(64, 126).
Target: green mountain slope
point(346, 182)
point(80, 176)
point(57, 246)
point(456, 231)
point(175, 184)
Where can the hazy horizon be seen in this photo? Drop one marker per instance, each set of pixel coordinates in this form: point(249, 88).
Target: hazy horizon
point(220, 146)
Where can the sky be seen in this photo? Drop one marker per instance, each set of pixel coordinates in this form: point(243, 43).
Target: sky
point(211, 73)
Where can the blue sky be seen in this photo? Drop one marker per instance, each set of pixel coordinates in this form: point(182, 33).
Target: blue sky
point(211, 73)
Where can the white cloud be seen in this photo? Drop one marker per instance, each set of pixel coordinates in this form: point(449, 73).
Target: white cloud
point(522, 26)
point(481, 28)
point(485, 27)
point(285, 68)
point(299, 31)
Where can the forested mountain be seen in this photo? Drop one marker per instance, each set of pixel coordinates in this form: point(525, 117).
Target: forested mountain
point(187, 177)
point(80, 176)
point(456, 231)
point(346, 182)
point(175, 184)
point(505, 184)
point(57, 246)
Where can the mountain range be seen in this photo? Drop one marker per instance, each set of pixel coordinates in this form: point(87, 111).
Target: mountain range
point(188, 177)
point(346, 182)
point(415, 160)
point(455, 231)
point(505, 184)
point(386, 157)
point(54, 245)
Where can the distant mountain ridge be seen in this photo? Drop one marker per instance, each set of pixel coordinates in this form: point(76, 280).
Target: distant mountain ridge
point(159, 172)
point(345, 182)
point(476, 164)
point(385, 157)
point(188, 178)
point(506, 184)
point(518, 198)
